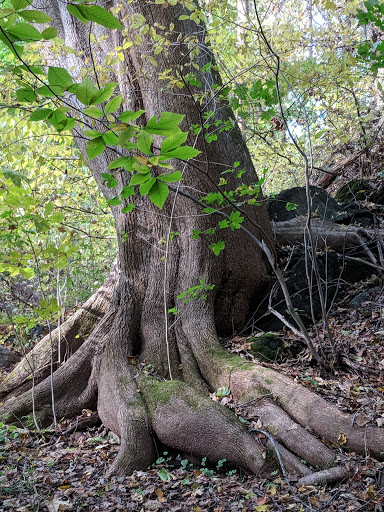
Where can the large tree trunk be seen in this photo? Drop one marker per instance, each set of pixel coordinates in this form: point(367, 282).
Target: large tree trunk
point(167, 400)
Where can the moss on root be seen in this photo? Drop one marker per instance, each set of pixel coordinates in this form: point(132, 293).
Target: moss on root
point(158, 393)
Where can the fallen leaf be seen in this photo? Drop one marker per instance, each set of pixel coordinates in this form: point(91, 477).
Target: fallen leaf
point(160, 495)
point(262, 501)
point(58, 505)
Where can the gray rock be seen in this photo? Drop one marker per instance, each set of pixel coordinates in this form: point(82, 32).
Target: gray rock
point(323, 205)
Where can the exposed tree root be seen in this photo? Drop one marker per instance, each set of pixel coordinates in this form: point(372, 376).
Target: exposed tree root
point(291, 434)
point(326, 476)
point(74, 385)
point(122, 410)
point(82, 423)
point(191, 423)
point(73, 333)
point(306, 408)
point(141, 408)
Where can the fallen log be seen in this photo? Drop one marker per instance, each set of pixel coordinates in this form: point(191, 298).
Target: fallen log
point(328, 235)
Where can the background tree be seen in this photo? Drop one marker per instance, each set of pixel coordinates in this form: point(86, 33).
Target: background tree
point(179, 280)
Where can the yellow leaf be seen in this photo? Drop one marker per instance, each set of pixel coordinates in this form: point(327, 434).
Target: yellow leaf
point(141, 159)
point(160, 496)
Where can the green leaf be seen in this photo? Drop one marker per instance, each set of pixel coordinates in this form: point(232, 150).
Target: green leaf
point(290, 206)
point(128, 209)
point(173, 142)
point(56, 218)
point(70, 124)
point(9, 45)
point(60, 77)
point(49, 207)
point(111, 138)
point(144, 142)
point(123, 161)
point(40, 113)
point(26, 94)
point(164, 475)
point(158, 193)
point(114, 201)
point(41, 224)
point(86, 92)
point(125, 136)
point(235, 220)
point(25, 32)
point(72, 9)
point(171, 178)
point(95, 147)
point(98, 15)
point(167, 125)
point(105, 94)
point(47, 92)
point(26, 272)
point(114, 104)
point(93, 112)
point(127, 191)
point(58, 120)
point(49, 33)
point(183, 153)
point(110, 180)
point(144, 187)
point(92, 134)
point(217, 247)
point(129, 115)
point(35, 16)
point(20, 4)
point(138, 179)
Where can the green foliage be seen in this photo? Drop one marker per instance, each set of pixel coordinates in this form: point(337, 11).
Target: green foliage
point(196, 292)
point(223, 391)
point(94, 13)
point(372, 52)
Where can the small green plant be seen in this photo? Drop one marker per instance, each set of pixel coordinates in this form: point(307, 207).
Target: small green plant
point(8, 432)
point(196, 292)
point(223, 391)
point(161, 460)
point(290, 206)
point(220, 464)
point(164, 475)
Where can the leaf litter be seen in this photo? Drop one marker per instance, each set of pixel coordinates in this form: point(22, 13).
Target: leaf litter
point(65, 469)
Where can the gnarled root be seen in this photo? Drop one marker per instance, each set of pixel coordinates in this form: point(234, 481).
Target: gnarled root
point(193, 424)
point(73, 385)
point(307, 409)
point(122, 410)
point(292, 435)
point(72, 334)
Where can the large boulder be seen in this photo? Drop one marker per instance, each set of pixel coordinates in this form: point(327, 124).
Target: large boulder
point(292, 203)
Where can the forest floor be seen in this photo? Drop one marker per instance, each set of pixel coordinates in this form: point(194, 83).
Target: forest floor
point(53, 471)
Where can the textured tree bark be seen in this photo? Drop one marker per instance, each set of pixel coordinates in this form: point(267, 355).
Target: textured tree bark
point(147, 373)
